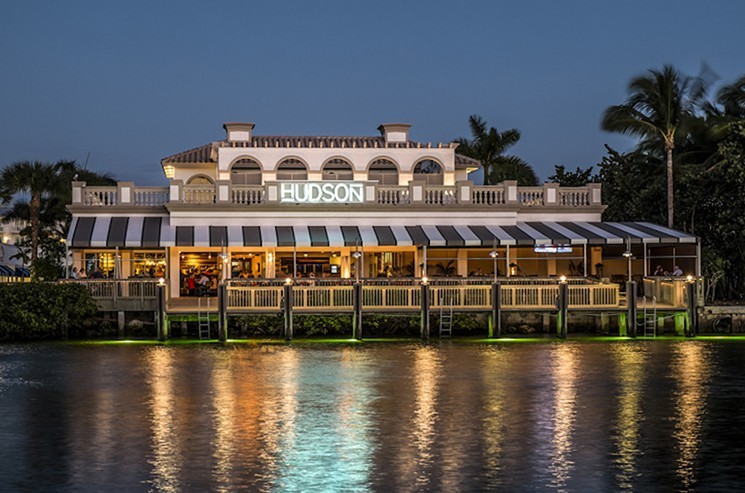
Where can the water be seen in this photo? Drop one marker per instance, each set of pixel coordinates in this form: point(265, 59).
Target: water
point(581, 417)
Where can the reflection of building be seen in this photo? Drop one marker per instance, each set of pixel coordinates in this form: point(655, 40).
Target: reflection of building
point(274, 206)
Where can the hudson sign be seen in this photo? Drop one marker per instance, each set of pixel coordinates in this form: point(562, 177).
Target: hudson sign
point(310, 192)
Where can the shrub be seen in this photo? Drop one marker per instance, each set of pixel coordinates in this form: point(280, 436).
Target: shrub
point(36, 311)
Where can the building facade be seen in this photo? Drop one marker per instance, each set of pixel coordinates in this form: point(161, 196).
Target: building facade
point(262, 207)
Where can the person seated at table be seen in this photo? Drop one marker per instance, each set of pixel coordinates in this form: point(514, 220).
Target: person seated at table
point(677, 272)
point(659, 271)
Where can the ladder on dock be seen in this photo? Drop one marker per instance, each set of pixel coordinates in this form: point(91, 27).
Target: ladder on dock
point(446, 319)
point(203, 320)
point(649, 319)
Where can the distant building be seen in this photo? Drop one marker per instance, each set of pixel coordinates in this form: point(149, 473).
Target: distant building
point(10, 229)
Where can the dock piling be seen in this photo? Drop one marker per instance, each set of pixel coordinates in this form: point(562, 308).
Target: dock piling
point(562, 303)
point(222, 309)
point(496, 311)
point(161, 313)
point(425, 326)
point(691, 310)
point(357, 305)
point(287, 306)
point(631, 311)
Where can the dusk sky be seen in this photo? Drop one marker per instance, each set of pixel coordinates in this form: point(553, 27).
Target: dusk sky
point(124, 84)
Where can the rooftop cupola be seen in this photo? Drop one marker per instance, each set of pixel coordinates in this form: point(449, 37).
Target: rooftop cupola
point(395, 132)
point(238, 132)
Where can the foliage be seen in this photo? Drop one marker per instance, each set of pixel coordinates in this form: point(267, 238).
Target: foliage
point(488, 147)
point(446, 269)
point(36, 311)
point(659, 105)
point(633, 187)
point(38, 193)
point(578, 178)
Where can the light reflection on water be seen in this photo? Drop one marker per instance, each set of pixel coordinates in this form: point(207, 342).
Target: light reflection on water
point(632, 416)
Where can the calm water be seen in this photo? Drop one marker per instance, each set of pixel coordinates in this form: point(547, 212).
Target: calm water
point(583, 417)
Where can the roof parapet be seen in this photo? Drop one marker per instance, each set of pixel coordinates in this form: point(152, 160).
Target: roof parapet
point(395, 132)
point(238, 132)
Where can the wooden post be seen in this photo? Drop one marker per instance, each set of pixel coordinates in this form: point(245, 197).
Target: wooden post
point(424, 323)
point(222, 309)
point(287, 307)
point(692, 312)
point(631, 311)
point(161, 313)
point(495, 328)
point(357, 304)
point(563, 313)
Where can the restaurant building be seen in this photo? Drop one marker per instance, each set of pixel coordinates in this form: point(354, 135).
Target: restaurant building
point(262, 207)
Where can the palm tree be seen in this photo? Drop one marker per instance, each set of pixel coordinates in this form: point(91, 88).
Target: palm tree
point(658, 106)
point(38, 180)
point(488, 147)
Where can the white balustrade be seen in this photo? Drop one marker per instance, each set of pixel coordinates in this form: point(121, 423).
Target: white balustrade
point(247, 195)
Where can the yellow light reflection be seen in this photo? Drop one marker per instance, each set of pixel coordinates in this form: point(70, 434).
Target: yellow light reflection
point(496, 363)
point(692, 371)
point(224, 406)
point(166, 455)
point(278, 416)
point(630, 364)
point(427, 369)
point(565, 377)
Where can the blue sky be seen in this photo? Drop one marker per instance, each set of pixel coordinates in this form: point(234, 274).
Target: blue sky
point(124, 84)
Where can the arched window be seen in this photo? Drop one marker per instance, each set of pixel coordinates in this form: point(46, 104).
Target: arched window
point(430, 171)
point(292, 169)
point(337, 169)
point(200, 180)
point(245, 172)
point(384, 171)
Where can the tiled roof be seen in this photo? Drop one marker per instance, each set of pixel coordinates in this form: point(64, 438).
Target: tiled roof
point(205, 154)
point(462, 161)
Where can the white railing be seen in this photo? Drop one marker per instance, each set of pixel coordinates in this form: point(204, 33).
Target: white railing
point(385, 195)
point(574, 197)
point(461, 297)
point(488, 195)
point(150, 196)
point(324, 297)
point(391, 297)
point(198, 194)
point(440, 195)
point(100, 196)
point(113, 289)
point(393, 195)
point(530, 196)
point(261, 298)
point(247, 194)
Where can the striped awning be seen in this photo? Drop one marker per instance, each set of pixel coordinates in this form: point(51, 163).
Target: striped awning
point(156, 231)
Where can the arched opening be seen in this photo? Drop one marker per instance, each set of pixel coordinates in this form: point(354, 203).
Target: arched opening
point(430, 171)
point(292, 169)
point(337, 169)
point(245, 172)
point(200, 180)
point(383, 171)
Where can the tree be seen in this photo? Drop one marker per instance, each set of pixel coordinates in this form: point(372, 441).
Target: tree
point(578, 178)
point(633, 187)
point(488, 147)
point(39, 181)
point(40, 193)
point(658, 106)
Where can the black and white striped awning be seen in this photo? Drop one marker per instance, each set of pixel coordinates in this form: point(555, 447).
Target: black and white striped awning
point(156, 231)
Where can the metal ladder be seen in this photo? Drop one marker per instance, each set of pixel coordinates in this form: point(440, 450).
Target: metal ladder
point(203, 320)
point(649, 320)
point(446, 319)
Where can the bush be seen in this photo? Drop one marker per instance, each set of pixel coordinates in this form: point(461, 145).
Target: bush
point(37, 311)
